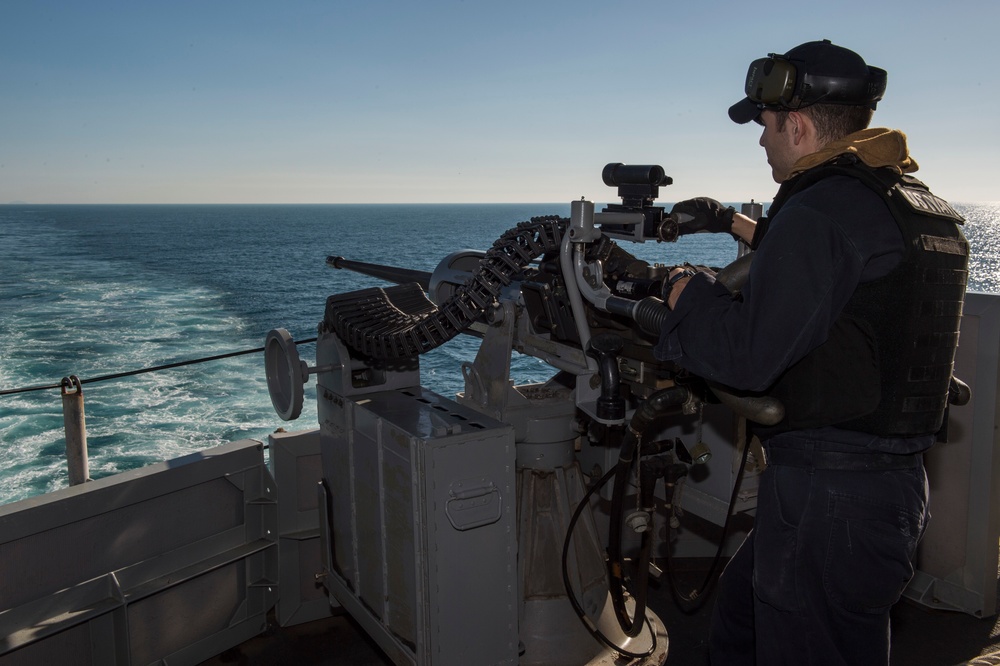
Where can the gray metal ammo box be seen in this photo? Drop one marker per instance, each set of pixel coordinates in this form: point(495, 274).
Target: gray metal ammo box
point(419, 493)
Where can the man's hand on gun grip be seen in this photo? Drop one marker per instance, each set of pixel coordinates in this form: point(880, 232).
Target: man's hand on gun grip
point(703, 215)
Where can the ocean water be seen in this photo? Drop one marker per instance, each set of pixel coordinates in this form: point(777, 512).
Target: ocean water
point(96, 290)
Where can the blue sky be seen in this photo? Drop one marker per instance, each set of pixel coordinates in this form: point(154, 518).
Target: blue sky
point(430, 101)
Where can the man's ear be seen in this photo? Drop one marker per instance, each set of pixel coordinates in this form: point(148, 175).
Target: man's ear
point(801, 127)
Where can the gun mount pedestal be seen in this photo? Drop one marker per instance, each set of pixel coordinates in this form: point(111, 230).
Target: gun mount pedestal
point(550, 485)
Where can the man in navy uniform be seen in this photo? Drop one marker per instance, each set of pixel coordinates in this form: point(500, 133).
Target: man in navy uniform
point(849, 317)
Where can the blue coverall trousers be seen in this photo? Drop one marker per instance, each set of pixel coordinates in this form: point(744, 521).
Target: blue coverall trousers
point(830, 553)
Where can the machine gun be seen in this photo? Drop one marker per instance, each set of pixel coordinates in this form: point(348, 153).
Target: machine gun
point(417, 487)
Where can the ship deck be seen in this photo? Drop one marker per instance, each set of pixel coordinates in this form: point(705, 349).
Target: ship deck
point(920, 636)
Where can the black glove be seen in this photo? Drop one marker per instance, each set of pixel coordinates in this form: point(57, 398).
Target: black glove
point(703, 215)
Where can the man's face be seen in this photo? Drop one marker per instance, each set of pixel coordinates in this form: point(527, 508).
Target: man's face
point(778, 145)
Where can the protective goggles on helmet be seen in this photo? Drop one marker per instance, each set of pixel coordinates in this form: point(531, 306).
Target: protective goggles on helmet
point(778, 82)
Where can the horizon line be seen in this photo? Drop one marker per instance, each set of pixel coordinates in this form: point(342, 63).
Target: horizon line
point(376, 203)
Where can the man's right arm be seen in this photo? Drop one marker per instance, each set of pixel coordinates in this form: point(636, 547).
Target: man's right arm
point(744, 227)
point(798, 284)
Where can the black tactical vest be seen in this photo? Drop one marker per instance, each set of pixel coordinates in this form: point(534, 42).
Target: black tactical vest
point(887, 364)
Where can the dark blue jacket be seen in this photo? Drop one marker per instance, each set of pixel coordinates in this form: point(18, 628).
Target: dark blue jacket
point(825, 241)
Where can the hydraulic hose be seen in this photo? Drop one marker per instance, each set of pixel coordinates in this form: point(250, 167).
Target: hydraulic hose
point(649, 313)
point(655, 406)
point(696, 598)
point(591, 627)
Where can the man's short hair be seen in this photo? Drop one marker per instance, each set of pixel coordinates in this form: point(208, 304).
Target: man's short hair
point(835, 121)
point(832, 121)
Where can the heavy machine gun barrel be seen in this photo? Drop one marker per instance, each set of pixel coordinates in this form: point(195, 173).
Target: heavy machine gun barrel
point(387, 273)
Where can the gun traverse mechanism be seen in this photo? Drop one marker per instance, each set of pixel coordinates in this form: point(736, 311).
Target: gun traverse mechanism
point(562, 290)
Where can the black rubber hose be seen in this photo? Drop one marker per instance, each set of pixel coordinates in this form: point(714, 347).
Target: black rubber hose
point(696, 598)
point(616, 574)
point(649, 314)
point(591, 627)
point(653, 407)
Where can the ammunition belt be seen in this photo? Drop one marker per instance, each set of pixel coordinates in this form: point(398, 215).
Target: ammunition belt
point(401, 322)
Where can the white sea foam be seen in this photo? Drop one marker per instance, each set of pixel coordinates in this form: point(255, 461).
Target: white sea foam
point(79, 317)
